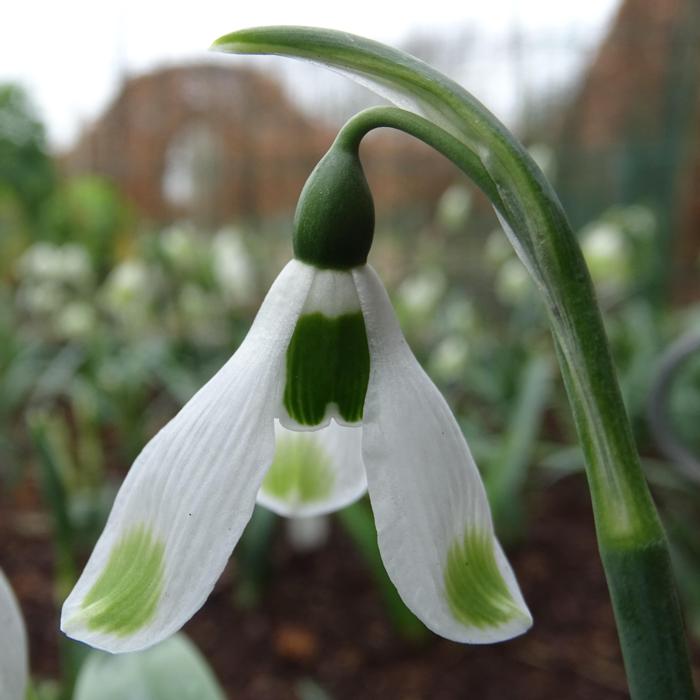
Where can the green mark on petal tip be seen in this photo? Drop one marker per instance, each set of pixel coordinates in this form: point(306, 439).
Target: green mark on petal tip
point(300, 471)
point(125, 596)
point(327, 362)
point(476, 592)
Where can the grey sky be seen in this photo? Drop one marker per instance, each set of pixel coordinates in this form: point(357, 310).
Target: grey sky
point(72, 55)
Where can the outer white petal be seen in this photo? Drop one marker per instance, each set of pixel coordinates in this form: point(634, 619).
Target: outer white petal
point(14, 671)
point(190, 493)
point(426, 492)
point(314, 472)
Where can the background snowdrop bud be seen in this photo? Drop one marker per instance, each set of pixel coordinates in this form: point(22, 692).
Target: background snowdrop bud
point(449, 359)
point(233, 267)
point(75, 320)
point(14, 670)
point(40, 261)
point(497, 249)
point(513, 282)
point(128, 290)
point(420, 293)
point(307, 534)
point(74, 265)
point(461, 316)
point(334, 220)
point(545, 158)
point(179, 245)
point(605, 250)
point(40, 298)
point(454, 207)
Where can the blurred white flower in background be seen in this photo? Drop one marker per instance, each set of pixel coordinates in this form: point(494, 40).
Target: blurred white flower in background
point(14, 664)
point(513, 283)
point(69, 263)
point(461, 316)
point(200, 316)
point(75, 320)
point(39, 299)
point(128, 291)
point(233, 268)
point(454, 207)
point(449, 359)
point(497, 249)
point(419, 294)
point(181, 247)
point(307, 534)
point(545, 157)
point(50, 277)
point(605, 248)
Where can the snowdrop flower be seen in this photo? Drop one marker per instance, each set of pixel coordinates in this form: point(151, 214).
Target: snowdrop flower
point(322, 399)
point(233, 268)
point(420, 294)
point(69, 263)
point(180, 247)
point(454, 207)
point(606, 252)
point(14, 671)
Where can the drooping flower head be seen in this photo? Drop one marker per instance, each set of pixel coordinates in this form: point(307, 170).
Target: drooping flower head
point(322, 401)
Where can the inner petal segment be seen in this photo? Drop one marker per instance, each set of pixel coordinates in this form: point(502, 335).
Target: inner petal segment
point(327, 364)
point(314, 471)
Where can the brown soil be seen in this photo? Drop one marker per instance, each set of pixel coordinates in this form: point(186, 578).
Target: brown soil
point(321, 620)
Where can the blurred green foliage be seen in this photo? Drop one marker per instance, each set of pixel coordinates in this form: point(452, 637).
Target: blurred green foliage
point(107, 327)
point(26, 171)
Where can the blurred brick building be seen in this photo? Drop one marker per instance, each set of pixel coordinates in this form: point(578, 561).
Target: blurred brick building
point(215, 143)
point(633, 133)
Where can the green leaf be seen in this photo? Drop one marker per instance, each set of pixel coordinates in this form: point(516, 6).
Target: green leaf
point(507, 476)
point(171, 670)
point(358, 523)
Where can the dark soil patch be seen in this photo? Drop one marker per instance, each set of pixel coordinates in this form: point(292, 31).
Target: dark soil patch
point(321, 620)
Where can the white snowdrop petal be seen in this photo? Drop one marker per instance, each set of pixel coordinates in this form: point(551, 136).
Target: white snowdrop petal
point(190, 493)
point(433, 519)
point(314, 472)
point(14, 665)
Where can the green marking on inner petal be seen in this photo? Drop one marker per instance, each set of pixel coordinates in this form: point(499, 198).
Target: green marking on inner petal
point(125, 596)
point(300, 471)
point(476, 592)
point(327, 362)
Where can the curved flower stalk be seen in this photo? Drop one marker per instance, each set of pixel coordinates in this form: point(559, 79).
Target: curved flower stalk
point(14, 665)
point(322, 400)
point(631, 540)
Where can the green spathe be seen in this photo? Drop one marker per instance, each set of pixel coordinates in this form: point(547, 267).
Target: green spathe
point(125, 596)
point(300, 471)
point(334, 220)
point(477, 594)
point(327, 363)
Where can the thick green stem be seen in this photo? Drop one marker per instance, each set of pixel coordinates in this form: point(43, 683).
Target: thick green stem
point(631, 540)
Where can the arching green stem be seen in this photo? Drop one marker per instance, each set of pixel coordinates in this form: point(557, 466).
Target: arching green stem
point(444, 115)
point(461, 155)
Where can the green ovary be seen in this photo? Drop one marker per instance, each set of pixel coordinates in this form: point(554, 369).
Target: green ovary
point(327, 362)
point(476, 592)
point(125, 596)
point(300, 471)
